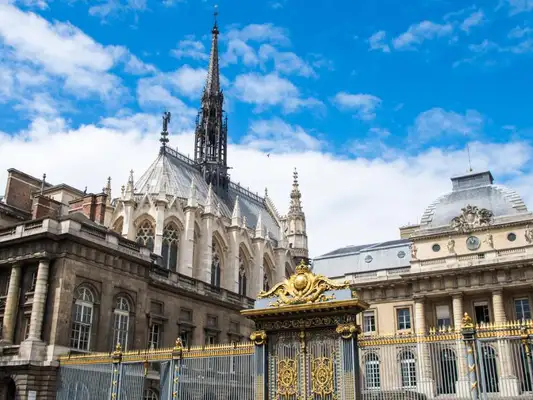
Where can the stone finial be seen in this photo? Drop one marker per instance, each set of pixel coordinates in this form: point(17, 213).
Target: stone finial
point(236, 216)
point(210, 200)
point(192, 199)
point(43, 183)
point(107, 190)
point(259, 227)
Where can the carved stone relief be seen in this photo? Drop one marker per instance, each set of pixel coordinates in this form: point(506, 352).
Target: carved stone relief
point(472, 217)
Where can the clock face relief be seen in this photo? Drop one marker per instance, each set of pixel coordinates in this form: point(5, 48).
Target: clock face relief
point(473, 243)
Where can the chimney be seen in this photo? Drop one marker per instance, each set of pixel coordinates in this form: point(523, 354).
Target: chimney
point(43, 206)
point(91, 205)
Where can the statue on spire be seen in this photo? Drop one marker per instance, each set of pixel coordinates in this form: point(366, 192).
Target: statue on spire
point(164, 132)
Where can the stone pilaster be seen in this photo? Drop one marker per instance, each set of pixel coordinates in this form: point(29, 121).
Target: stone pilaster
point(39, 301)
point(509, 385)
point(187, 247)
point(463, 378)
point(159, 226)
point(426, 384)
point(10, 314)
point(207, 249)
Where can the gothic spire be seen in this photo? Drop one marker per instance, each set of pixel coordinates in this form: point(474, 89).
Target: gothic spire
point(296, 196)
point(211, 135)
point(212, 85)
point(236, 216)
point(259, 227)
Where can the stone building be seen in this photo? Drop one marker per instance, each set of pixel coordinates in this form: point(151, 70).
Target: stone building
point(472, 252)
point(179, 253)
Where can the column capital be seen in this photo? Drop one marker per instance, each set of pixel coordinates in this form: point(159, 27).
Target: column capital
point(457, 295)
point(418, 298)
point(498, 290)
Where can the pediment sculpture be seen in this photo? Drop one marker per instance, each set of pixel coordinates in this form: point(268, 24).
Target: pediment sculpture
point(472, 217)
point(303, 287)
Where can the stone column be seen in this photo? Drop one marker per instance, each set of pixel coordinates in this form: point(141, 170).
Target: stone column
point(39, 301)
point(463, 378)
point(10, 314)
point(509, 385)
point(426, 384)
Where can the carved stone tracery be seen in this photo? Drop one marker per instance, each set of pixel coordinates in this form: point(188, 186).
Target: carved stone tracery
point(472, 217)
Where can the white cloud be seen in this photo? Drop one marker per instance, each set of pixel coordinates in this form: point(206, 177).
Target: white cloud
point(363, 104)
point(331, 208)
point(418, 33)
point(275, 135)
point(285, 62)
point(437, 122)
point(519, 32)
point(109, 7)
point(190, 48)
point(378, 42)
point(188, 81)
point(475, 19)
point(518, 6)
point(260, 33)
point(40, 4)
point(62, 50)
point(270, 90)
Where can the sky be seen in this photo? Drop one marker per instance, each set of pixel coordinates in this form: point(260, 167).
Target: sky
point(374, 102)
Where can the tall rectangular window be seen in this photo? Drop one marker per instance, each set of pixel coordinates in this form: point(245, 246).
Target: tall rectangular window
point(404, 318)
point(369, 322)
point(155, 336)
point(443, 316)
point(481, 311)
point(522, 309)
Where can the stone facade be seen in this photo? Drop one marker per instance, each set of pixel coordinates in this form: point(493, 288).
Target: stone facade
point(472, 252)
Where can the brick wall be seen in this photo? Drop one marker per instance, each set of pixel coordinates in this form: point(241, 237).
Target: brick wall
point(19, 189)
point(92, 206)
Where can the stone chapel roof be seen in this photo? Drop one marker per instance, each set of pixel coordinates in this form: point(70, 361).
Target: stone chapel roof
point(173, 173)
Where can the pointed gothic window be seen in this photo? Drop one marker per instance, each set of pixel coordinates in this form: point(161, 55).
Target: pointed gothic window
point(266, 283)
point(121, 323)
point(169, 248)
point(215, 266)
point(145, 235)
point(242, 275)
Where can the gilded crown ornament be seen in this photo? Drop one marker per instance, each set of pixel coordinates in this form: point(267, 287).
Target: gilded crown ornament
point(258, 337)
point(303, 287)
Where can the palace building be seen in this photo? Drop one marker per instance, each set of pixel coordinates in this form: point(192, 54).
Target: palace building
point(179, 253)
point(471, 253)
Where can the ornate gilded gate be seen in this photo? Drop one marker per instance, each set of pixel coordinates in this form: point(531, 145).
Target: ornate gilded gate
point(306, 339)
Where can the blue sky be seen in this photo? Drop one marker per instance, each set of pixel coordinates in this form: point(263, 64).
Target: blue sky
point(363, 96)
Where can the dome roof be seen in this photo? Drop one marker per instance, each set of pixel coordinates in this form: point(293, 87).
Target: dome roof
point(475, 189)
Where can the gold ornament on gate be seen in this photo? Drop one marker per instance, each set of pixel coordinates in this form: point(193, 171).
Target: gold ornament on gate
point(322, 376)
point(258, 337)
point(303, 287)
point(287, 378)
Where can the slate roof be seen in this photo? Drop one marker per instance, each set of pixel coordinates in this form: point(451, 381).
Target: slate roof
point(364, 258)
point(476, 189)
point(175, 172)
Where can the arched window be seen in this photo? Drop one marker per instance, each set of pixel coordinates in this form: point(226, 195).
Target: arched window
point(242, 274)
point(215, 266)
point(150, 394)
point(408, 369)
point(145, 235)
point(267, 269)
point(372, 372)
point(118, 225)
point(121, 323)
point(82, 319)
point(169, 249)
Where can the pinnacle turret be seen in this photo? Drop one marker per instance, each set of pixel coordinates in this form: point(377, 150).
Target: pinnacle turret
point(259, 227)
point(296, 196)
point(210, 201)
point(192, 200)
point(236, 215)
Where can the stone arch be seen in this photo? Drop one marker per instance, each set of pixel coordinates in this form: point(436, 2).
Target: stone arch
point(175, 219)
point(8, 386)
point(268, 273)
point(221, 237)
point(118, 225)
point(245, 272)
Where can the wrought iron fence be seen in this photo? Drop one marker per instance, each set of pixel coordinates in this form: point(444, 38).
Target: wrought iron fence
point(475, 362)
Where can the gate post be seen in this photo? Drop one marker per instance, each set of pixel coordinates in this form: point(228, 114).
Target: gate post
point(260, 363)
point(114, 393)
point(175, 366)
point(469, 337)
point(524, 336)
point(350, 360)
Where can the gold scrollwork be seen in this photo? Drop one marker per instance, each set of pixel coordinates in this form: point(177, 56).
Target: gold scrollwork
point(322, 376)
point(258, 337)
point(347, 331)
point(303, 287)
point(287, 378)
